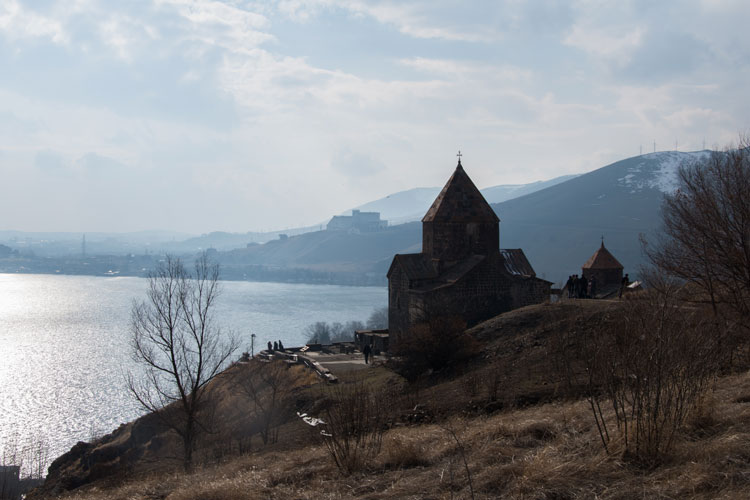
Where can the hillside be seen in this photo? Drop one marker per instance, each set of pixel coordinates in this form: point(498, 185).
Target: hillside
point(506, 418)
point(329, 256)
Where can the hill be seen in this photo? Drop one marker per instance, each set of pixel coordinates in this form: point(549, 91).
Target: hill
point(502, 427)
point(558, 227)
point(561, 226)
point(324, 256)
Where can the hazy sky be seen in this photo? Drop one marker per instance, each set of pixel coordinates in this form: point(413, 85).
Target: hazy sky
point(198, 116)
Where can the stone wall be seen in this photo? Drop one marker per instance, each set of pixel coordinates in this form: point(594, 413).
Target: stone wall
point(484, 292)
point(398, 305)
point(454, 241)
point(604, 277)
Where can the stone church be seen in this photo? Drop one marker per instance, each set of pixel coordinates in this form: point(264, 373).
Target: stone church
point(604, 268)
point(461, 270)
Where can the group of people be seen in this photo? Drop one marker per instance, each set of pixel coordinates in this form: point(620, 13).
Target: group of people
point(581, 288)
point(276, 346)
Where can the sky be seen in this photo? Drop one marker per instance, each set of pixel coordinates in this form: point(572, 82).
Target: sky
point(199, 116)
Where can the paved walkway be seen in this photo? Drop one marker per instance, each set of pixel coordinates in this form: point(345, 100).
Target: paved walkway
point(338, 363)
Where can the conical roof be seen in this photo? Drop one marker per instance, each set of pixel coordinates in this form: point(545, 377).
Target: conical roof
point(460, 201)
point(602, 259)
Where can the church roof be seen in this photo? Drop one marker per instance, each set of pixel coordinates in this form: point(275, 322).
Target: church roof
point(602, 259)
point(516, 262)
point(416, 266)
point(460, 201)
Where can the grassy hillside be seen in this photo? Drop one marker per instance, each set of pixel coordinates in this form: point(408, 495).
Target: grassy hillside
point(504, 426)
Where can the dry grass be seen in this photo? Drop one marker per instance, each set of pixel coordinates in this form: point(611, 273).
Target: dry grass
point(548, 451)
point(527, 450)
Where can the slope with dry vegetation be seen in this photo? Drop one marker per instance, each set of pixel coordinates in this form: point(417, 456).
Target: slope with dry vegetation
point(515, 421)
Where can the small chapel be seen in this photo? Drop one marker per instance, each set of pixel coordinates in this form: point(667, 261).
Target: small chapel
point(461, 270)
point(604, 268)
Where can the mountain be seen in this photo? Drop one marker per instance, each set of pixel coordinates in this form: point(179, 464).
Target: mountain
point(561, 226)
point(558, 227)
point(558, 223)
point(411, 205)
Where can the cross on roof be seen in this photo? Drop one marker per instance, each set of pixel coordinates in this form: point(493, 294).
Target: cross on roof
point(459, 156)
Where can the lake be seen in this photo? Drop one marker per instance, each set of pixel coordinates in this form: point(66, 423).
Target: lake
point(64, 345)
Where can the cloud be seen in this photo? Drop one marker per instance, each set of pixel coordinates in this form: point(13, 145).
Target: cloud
point(356, 165)
point(603, 42)
point(49, 161)
point(18, 23)
point(282, 113)
point(416, 19)
point(219, 24)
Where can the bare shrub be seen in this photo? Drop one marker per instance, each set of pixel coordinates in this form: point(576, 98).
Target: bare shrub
point(438, 343)
point(353, 423)
point(269, 387)
point(462, 451)
point(652, 363)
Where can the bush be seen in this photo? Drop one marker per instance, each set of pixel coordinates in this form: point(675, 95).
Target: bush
point(438, 343)
point(354, 421)
point(652, 364)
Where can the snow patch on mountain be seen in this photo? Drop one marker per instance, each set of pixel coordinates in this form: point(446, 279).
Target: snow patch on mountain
point(659, 171)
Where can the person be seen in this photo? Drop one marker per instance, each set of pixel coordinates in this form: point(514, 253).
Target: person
point(624, 284)
point(367, 351)
point(583, 285)
point(275, 346)
point(592, 287)
point(569, 286)
point(281, 346)
point(270, 346)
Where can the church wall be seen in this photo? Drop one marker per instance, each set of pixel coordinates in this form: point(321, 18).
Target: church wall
point(398, 304)
point(483, 293)
point(452, 241)
point(527, 291)
point(604, 277)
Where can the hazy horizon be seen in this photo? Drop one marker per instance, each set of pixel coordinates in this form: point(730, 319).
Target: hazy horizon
point(200, 116)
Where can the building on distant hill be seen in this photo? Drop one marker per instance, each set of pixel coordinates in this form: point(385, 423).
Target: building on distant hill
point(363, 222)
point(461, 270)
point(604, 267)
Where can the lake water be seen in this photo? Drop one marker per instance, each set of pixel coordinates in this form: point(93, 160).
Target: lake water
point(64, 348)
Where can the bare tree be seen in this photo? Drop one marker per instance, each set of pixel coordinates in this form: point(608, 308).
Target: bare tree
point(175, 339)
point(707, 230)
point(378, 320)
point(327, 333)
point(319, 333)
